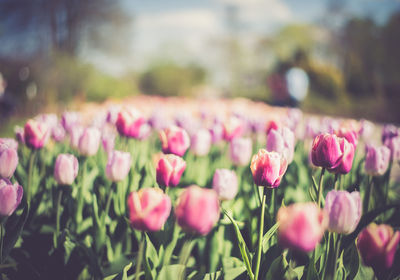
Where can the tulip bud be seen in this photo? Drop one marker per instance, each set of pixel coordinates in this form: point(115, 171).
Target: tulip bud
point(75, 134)
point(66, 169)
point(58, 133)
point(225, 183)
point(349, 134)
point(174, 140)
point(144, 132)
point(19, 134)
point(393, 144)
point(377, 160)
point(8, 160)
point(118, 166)
point(268, 168)
point(281, 141)
point(36, 134)
point(377, 246)
point(129, 123)
point(301, 226)
point(344, 210)
point(149, 209)
point(11, 143)
point(201, 142)
point(10, 197)
point(233, 127)
point(240, 150)
point(69, 120)
point(333, 153)
point(89, 141)
point(389, 131)
point(217, 131)
point(169, 170)
point(197, 210)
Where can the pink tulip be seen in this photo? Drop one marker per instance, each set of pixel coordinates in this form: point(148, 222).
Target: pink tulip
point(268, 168)
point(201, 142)
point(89, 141)
point(8, 159)
point(75, 134)
point(169, 170)
point(197, 210)
point(174, 140)
point(69, 120)
point(281, 141)
point(149, 209)
point(225, 183)
point(118, 166)
point(344, 210)
point(36, 134)
point(333, 153)
point(233, 127)
point(129, 123)
point(301, 226)
point(10, 197)
point(349, 134)
point(393, 143)
point(377, 245)
point(66, 169)
point(19, 134)
point(377, 160)
point(240, 151)
point(9, 142)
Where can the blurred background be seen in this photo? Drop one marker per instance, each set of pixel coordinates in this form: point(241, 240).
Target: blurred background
point(333, 57)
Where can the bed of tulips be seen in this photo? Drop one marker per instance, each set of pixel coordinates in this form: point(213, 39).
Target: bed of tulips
point(213, 193)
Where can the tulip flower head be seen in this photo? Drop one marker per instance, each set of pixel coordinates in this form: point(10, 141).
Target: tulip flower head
point(36, 134)
point(89, 141)
point(301, 226)
point(393, 143)
point(129, 123)
point(169, 170)
point(174, 140)
point(66, 169)
point(8, 159)
point(197, 210)
point(201, 142)
point(377, 160)
point(333, 153)
point(149, 209)
point(225, 183)
point(268, 168)
point(233, 127)
point(344, 211)
point(240, 150)
point(10, 197)
point(118, 166)
point(377, 245)
point(281, 141)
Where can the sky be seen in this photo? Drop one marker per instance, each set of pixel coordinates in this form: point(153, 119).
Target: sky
point(186, 30)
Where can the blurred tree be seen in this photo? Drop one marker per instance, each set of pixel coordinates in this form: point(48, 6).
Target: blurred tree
point(60, 25)
point(168, 79)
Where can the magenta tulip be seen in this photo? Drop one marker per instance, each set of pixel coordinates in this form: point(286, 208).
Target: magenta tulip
point(66, 169)
point(333, 153)
point(149, 209)
point(268, 168)
point(10, 197)
point(174, 140)
point(169, 170)
point(36, 134)
point(197, 210)
point(344, 211)
point(301, 226)
point(129, 123)
point(377, 245)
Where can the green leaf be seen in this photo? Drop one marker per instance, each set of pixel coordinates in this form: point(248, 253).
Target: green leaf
point(244, 251)
point(277, 269)
point(351, 261)
point(123, 275)
point(151, 253)
point(173, 271)
point(12, 234)
point(268, 236)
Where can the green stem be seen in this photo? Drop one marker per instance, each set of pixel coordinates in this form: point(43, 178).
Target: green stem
point(58, 213)
point(30, 177)
point(260, 236)
point(273, 202)
point(184, 257)
point(80, 197)
point(337, 251)
point(140, 255)
point(320, 186)
point(335, 181)
point(256, 190)
point(1, 242)
point(108, 203)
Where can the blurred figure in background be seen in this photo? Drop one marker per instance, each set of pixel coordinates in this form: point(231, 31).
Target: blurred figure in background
point(297, 85)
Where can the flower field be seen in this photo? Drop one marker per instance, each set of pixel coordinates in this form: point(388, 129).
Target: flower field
point(179, 188)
